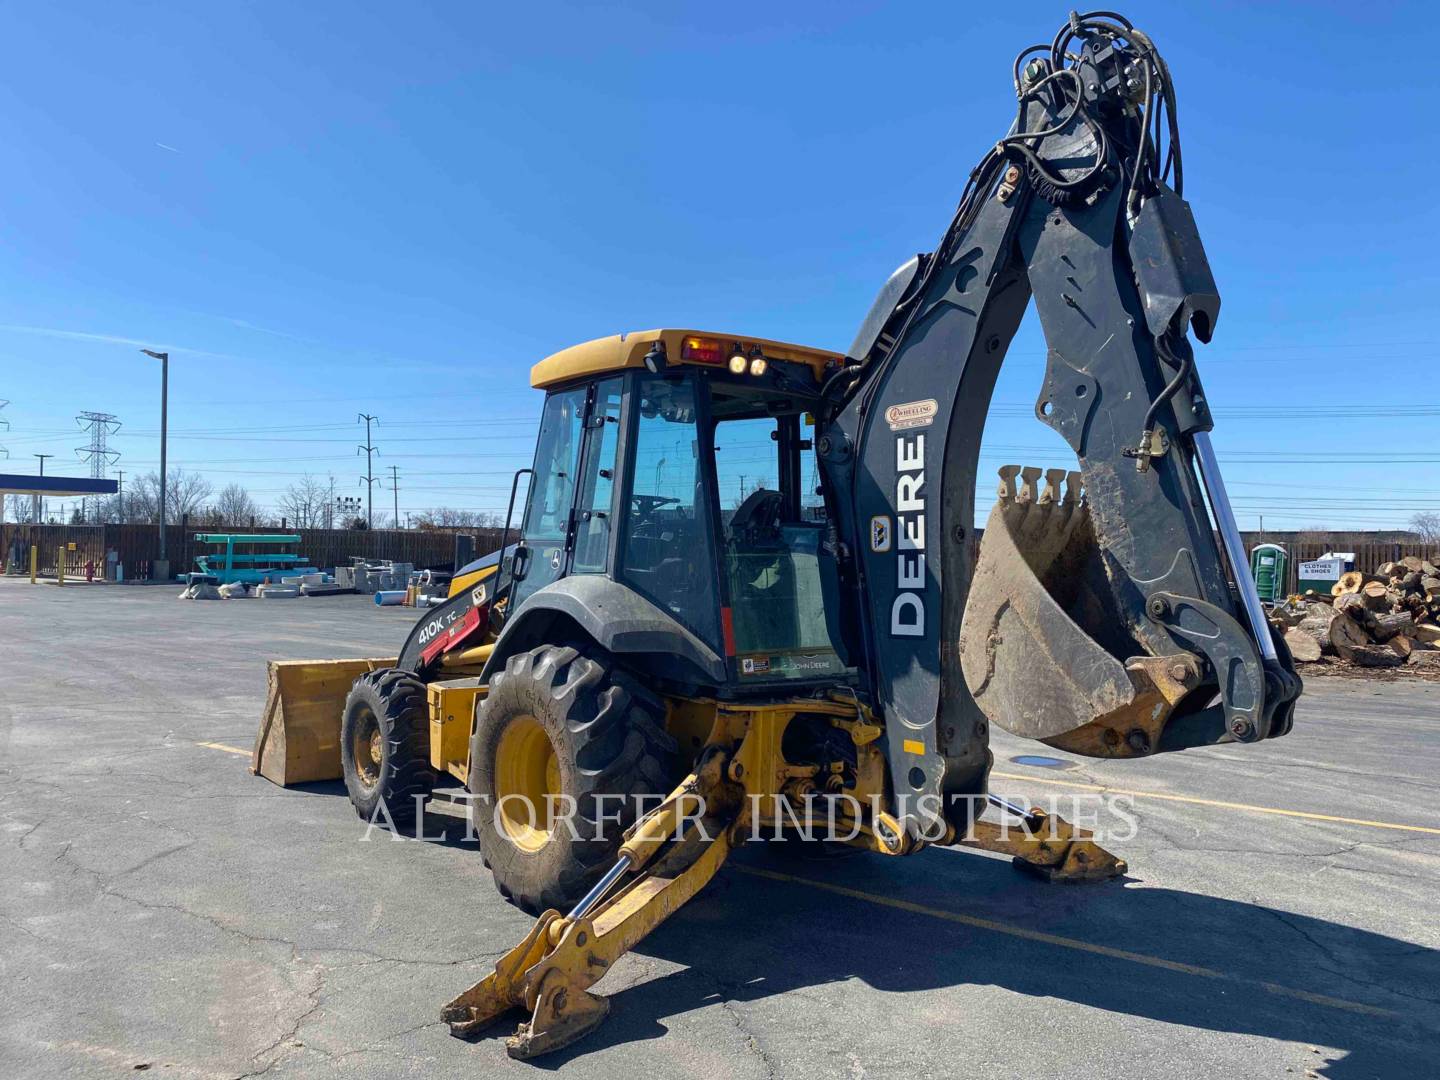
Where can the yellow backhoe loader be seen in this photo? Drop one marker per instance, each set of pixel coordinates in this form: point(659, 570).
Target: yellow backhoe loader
point(745, 590)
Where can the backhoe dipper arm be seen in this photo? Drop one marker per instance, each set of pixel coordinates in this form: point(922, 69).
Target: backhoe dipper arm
point(1072, 207)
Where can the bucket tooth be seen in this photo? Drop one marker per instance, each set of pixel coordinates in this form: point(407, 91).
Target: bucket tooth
point(1037, 513)
point(1074, 487)
point(1028, 475)
point(1053, 479)
point(1007, 482)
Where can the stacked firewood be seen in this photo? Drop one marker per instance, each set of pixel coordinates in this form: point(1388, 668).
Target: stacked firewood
point(1381, 620)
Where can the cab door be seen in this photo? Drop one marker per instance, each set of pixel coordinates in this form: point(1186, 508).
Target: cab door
point(593, 527)
point(544, 532)
point(568, 515)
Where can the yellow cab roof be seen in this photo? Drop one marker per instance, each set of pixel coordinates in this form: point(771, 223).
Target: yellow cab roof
point(621, 351)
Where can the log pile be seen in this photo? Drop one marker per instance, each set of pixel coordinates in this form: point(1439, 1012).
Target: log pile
point(1388, 619)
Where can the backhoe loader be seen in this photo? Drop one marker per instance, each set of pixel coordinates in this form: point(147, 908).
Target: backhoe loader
point(745, 589)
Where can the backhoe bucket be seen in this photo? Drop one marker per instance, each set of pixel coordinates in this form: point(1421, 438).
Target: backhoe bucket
point(1030, 664)
point(299, 737)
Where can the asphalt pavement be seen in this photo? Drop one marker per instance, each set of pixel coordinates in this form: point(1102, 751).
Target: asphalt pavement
point(163, 911)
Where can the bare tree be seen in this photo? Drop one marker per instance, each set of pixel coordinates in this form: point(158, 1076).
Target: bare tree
point(234, 506)
point(185, 493)
point(1427, 525)
point(304, 503)
point(20, 509)
point(443, 517)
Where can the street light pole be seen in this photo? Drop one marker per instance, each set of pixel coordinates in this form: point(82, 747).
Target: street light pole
point(36, 510)
point(164, 358)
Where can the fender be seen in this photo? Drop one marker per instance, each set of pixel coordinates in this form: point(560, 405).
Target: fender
point(619, 620)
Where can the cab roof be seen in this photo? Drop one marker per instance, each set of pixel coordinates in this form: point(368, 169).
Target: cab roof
point(622, 351)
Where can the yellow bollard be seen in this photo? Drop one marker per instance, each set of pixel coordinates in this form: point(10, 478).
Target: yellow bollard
point(60, 565)
point(34, 561)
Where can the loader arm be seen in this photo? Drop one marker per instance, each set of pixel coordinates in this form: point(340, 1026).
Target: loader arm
point(1103, 624)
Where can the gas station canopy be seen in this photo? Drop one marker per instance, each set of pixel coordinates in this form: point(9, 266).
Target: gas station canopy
point(14, 484)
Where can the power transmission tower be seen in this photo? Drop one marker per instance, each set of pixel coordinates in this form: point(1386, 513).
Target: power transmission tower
point(98, 454)
point(395, 489)
point(369, 477)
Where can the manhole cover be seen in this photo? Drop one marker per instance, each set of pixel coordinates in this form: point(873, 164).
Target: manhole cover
point(1042, 762)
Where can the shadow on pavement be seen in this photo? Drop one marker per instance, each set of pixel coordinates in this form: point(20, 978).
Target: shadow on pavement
point(807, 937)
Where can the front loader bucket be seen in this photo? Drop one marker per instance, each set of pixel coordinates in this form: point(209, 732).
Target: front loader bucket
point(299, 737)
point(1030, 664)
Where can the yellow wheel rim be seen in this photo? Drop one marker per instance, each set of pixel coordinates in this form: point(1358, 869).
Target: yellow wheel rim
point(526, 771)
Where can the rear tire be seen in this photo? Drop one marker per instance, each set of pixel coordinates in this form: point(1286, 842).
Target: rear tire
point(561, 722)
point(385, 745)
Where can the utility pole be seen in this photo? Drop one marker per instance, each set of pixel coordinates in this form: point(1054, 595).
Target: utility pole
point(39, 501)
point(395, 489)
point(5, 423)
point(369, 468)
point(164, 358)
point(120, 496)
point(98, 454)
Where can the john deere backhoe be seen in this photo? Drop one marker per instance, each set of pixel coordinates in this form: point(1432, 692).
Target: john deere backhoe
point(745, 581)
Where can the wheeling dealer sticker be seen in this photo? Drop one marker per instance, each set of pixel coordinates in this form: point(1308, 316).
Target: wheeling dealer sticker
point(912, 414)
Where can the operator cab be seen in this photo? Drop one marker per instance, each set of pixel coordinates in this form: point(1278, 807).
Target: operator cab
point(693, 483)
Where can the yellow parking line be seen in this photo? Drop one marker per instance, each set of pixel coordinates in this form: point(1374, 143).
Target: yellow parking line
point(222, 746)
point(1074, 943)
point(1217, 802)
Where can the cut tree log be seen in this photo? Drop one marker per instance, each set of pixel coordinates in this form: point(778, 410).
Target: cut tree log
point(1389, 626)
point(1413, 562)
point(1430, 586)
point(1401, 646)
point(1426, 632)
point(1377, 595)
point(1390, 569)
point(1314, 627)
point(1408, 582)
point(1304, 648)
point(1425, 661)
point(1346, 635)
point(1375, 656)
point(1349, 582)
point(1353, 604)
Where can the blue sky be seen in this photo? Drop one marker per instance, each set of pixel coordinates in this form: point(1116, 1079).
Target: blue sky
point(322, 209)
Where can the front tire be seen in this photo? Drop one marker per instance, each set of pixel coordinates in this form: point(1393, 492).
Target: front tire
point(385, 746)
point(558, 725)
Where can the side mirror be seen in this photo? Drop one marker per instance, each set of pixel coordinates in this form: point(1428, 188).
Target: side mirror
point(519, 562)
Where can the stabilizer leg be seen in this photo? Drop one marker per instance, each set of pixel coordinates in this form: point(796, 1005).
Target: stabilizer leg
point(1046, 845)
point(550, 972)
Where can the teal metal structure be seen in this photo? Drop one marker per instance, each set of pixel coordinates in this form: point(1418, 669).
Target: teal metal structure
point(251, 558)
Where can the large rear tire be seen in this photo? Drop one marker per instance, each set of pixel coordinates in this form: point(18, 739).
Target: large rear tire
point(561, 728)
point(385, 746)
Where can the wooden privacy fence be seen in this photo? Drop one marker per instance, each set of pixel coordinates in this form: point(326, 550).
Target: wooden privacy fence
point(137, 546)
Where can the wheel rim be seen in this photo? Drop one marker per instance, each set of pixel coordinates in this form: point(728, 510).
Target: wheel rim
point(367, 747)
point(526, 772)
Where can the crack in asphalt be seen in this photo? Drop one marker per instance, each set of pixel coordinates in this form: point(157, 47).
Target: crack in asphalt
point(1338, 966)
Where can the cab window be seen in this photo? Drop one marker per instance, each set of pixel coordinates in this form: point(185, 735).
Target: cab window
point(667, 553)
